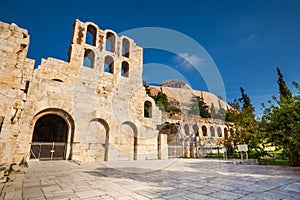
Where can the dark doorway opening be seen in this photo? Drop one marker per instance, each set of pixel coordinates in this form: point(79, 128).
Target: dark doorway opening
point(50, 138)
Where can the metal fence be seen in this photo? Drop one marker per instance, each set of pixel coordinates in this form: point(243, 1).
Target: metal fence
point(175, 151)
point(48, 151)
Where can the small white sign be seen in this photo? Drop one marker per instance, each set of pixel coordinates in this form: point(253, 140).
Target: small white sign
point(243, 147)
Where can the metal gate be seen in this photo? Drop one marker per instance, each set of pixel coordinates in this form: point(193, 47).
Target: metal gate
point(175, 151)
point(48, 151)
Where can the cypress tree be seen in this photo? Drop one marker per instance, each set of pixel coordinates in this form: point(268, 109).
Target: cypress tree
point(284, 91)
point(246, 101)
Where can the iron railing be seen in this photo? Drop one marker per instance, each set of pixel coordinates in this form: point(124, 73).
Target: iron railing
point(48, 151)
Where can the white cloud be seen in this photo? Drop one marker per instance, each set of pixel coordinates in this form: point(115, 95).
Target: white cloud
point(187, 60)
point(252, 37)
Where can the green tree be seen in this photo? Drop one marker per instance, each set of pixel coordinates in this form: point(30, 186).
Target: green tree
point(198, 107)
point(246, 125)
point(232, 113)
point(161, 100)
point(285, 93)
point(245, 100)
point(281, 122)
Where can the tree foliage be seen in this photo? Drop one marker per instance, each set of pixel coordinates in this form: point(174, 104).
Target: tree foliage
point(246, 102)
point(246, 125)
point(285, 93)
point(198, 107)
point(281, 122)
point(161, 100)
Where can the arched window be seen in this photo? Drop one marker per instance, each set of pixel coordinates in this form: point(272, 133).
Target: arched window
point(109, 64)
point(110, 42)
point(125, 69)
point(212, 131)
point(195, 129)
point(89, 57)
point(147, 109)
point(91, 35)
point(226, 133)
point(186, 129)
point(125, 48)
point(204, 131)
point(219, 132)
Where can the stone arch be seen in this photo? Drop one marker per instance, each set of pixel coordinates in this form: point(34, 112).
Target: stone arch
point(204, 131)
point(125, 47)
point(212, 131)
point(91, 35)
point(109, 64)
point(54, 126)
point(219, 131)
point(131, 133)
point(186, 129)
point(98, 130)
point(173, 139)
point(125, 69)
point(110, 42)
point(89, 58)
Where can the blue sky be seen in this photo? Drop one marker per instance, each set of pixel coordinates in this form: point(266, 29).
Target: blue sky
point(245, 39)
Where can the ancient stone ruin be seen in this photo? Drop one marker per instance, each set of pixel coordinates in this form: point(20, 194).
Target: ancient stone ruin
point(90, 108)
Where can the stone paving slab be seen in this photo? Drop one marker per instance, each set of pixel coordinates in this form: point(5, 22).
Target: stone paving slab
point(155, 179)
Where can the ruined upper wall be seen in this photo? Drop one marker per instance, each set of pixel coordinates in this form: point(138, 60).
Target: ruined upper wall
point(96, 51)
point(15, 68)
point(105, 51)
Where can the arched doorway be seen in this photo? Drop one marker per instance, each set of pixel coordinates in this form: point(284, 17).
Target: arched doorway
point(98, 140)
point(129, 149)
point(174, 139)
point(52, 135)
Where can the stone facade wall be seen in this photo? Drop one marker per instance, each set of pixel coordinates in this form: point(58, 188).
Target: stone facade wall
point(15, 74)
point(98, 93)
point(95, 99)
point(194, 132)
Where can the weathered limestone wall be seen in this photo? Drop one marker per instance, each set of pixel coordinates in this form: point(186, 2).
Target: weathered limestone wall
point(194, 132)
point(97, 93)
point(184, 95)
point(104, 109)
point(15, 74)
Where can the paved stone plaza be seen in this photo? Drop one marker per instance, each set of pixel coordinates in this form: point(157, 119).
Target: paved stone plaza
point(157, 179)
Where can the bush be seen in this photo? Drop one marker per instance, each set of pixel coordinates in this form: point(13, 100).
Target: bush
point(270, 161)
